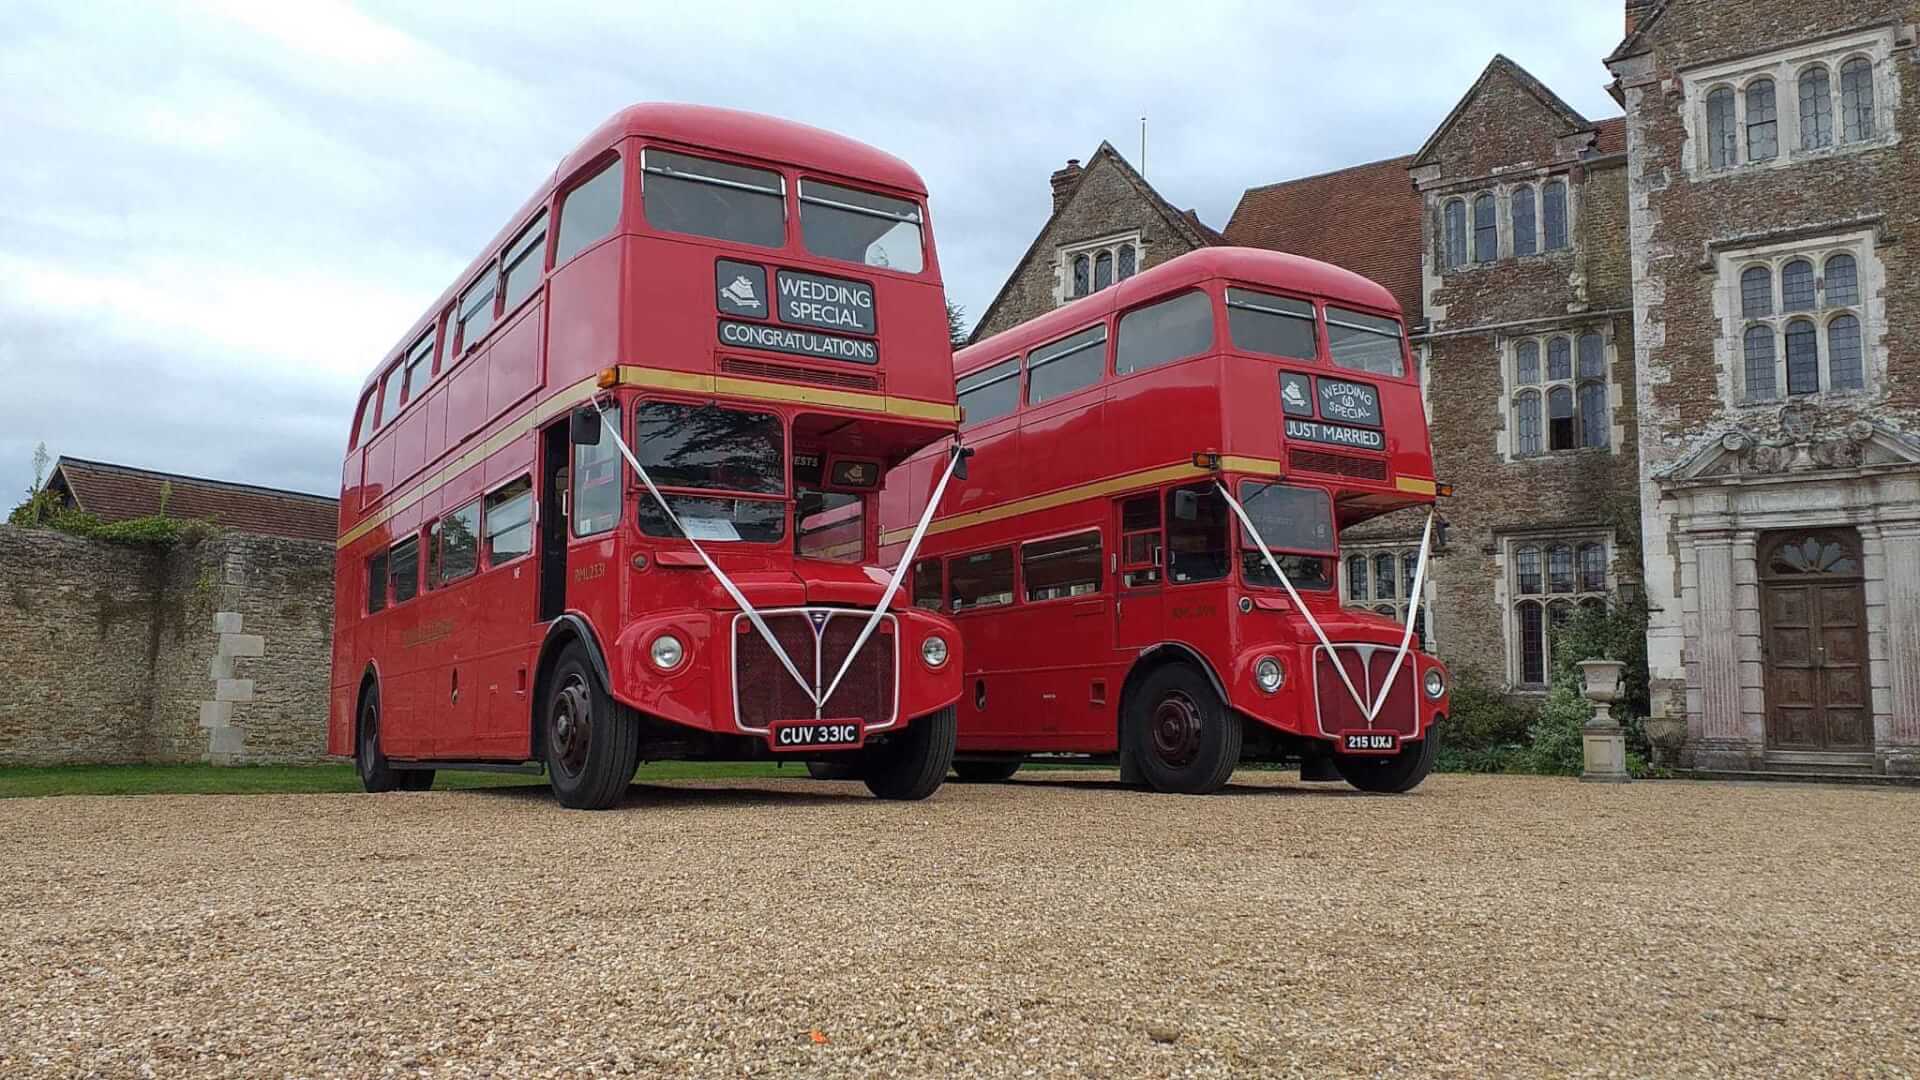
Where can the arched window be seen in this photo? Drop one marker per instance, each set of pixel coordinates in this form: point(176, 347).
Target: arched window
point(1843, 354)
point(1559, 359)
point(1456, 215)
point(1843, 281)
point(1409, 563)
point(1759, 364)
point(1126, 261)
point(1533, 644)
point(1723, 145)
point(1856, 99)
point(1081, 277)
point(1554, 211)
point(1593, 568)
point(1560, 568)
point(1522, 213)
point(1526, 570)
point(1383, 576)
point(1102, 270)
point(1803, 358)
point(1763, 121)
point(1796, 286)
point(1526, 423)
point(1756, 292)
point(1816, 108)
point(1560, 418)
point(1593, 415)
point(1526, 364)
point(1486, 230)
point(1357, 578)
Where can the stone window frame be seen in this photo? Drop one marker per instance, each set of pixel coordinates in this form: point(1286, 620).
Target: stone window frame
point(1405, 558)
point(1109, 245)
point(1466, 257)
point(1515, 604)
point(1868, 309)
point(1784, 67)
point(1512, 389)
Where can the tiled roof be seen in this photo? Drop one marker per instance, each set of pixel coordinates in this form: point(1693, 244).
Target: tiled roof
point(1365, 219)
point(118, 492)
point(1610, 136)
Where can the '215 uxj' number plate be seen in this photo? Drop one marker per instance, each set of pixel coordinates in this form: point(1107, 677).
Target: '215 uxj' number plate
point(790, 735)
point(1370, 742)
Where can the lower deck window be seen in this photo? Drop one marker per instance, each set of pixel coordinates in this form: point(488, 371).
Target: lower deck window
point(509, 522)
point(1063, 566)
point(983, 579)
point(928, 586)
point(403, 570)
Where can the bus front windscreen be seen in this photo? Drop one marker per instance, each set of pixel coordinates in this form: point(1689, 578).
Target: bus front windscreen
point(1295, 522)
point(708, 448)
point(860, 227)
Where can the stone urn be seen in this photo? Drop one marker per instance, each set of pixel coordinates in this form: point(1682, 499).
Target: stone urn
point(1602, 739)
point(1666, 734)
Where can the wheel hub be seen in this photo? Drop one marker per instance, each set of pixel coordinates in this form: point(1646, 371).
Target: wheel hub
point(571, 727)
point(1177, 727)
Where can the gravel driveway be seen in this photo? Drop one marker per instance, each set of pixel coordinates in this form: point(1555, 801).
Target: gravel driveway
point(1058, 925)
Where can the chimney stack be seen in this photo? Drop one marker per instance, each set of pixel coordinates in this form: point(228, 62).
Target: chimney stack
point(1063, 182)
point(1637, 10)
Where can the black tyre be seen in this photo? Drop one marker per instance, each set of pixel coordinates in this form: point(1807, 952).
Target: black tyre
point(1393, 774)
point(985, 772)
point(592, 744)
point(834, 770)
point(1180, 734)
point(376, 774)
point(914, 763)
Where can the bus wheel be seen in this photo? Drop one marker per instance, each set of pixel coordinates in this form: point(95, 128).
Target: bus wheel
point(914, 763)
point(1180, 733)
point(1393, 774)
point(985, 772)
point(376, 772)
point(592, 745)
point(834, 770)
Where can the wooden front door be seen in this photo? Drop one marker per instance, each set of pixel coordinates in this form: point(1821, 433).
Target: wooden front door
point(1814, 618)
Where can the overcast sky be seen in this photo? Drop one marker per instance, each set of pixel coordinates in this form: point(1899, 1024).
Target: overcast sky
point(214, 220)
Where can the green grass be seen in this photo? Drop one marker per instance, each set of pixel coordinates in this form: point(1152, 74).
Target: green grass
point(22, 781)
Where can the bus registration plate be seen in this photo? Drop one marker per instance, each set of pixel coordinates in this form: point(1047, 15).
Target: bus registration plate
point(1370, 742)
point(792, 735)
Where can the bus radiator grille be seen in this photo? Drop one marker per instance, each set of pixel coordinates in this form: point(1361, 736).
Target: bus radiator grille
point(765, 693)
point(1337, 464)
point(1367, 666)
point(759, 369)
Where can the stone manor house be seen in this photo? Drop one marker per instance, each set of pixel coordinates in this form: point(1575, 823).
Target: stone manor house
point(1668, 352)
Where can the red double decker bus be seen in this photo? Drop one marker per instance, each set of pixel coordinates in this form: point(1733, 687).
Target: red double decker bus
point(612, 498)
point(1142, 560)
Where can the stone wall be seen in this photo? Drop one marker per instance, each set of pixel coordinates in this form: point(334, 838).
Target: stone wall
point(216, 651)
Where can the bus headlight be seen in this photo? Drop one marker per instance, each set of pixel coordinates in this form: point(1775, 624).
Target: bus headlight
point(1436, 683)
point(1268, 675)
point(667, 652)
point(933, 651)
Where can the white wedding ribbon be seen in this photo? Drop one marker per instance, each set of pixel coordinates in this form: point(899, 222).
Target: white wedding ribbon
point(1413, 608)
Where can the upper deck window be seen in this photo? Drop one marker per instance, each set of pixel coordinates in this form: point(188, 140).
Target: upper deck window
point(589, 212)
point(526, 260)
point(366, 419)
point(1271, 325)
point(703, 197)
point(1173, 329)
point(1066, 365)
point(1364, 342)
point(990, 393)
point(419, 365)
point(390, 396)
point(706, 447)
point(476, 311)
point(860, 227)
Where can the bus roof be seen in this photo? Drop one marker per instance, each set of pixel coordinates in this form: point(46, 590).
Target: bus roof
point(1255, 266)
point(783, 142)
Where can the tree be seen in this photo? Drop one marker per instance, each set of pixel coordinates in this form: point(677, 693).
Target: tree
point(40, 460)
point(956, 324)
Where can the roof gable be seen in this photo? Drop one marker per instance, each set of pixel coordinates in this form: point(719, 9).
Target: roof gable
point(1567, 119)
point(119, 492)
point(1186, 224)
point(1636, 41)
point(1365, 219)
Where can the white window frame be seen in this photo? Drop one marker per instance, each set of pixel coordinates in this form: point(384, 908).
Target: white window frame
point(1503, 221)
point(1511, 600)
point(1405, 557)
point(1092, 249)
point(1509, 437)
point(1784, 67)
point(1870, 310)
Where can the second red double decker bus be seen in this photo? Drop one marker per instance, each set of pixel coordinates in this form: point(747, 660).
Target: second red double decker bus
point(1142, 560)
point(612, 497)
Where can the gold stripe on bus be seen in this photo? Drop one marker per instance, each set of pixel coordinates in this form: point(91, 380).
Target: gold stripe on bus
point(659, 379)
point(1415, 485)
point(763, 390)
point(1097, 489)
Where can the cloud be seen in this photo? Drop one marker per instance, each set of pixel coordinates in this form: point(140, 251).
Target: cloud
point(215, 218)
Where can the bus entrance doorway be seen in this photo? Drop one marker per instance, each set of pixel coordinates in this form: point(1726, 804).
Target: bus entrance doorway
point(556, 449)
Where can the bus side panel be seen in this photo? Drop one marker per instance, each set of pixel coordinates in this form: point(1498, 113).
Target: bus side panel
point(583, 315)
point(501, 610)
point(466, 399)
point(1184, 400)
point(513, 361)
point(378, 478)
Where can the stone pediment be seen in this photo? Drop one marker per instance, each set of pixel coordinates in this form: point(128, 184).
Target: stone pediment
point(1799, 447)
